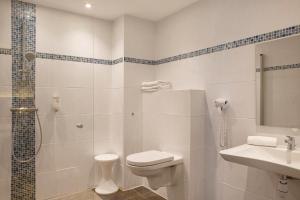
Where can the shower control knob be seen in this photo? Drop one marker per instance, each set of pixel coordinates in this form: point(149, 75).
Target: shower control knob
point(79, 125)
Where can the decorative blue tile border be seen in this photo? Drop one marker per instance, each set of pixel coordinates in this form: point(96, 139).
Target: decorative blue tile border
point(23, 124)
point(5, 51)
point(280, 67)
point(140, 61)
point(222, 47)
point(235, 44)
point(117, 61)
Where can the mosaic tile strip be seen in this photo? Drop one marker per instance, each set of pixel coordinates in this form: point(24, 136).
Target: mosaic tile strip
point(235, 44)
point(73, 58)
point(222, 47)
point(139, 61)
point(280, 67)
point(23, 124)
point(117, 61)
point(226, 46)
point(5, 51)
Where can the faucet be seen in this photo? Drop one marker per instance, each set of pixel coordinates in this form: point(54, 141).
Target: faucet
point(291, 143)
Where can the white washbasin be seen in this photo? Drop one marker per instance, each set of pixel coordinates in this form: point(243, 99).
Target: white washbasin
point(278, 160)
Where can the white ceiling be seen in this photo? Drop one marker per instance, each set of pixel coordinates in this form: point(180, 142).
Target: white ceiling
point(111, 9)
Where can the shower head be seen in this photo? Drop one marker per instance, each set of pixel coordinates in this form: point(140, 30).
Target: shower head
point(30, 56)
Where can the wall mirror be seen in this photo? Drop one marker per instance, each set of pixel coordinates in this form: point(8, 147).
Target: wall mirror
point(278, 83)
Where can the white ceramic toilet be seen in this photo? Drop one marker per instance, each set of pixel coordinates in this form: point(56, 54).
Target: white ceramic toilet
point(106, 184)
point(157, 166)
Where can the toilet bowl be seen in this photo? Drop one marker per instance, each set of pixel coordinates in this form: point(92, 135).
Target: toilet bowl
point(106, 184)
point(158, 167)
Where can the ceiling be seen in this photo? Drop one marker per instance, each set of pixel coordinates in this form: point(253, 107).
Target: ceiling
point(111, 9)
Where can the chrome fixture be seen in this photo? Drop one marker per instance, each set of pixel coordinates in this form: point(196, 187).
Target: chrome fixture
point(291, 143)
point(79, 125)
point(27, 74)
point(23, 109)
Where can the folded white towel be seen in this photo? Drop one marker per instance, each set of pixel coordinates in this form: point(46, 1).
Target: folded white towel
point(154, 83)
point(262, 141)
point(150, 87)
point(150, 90)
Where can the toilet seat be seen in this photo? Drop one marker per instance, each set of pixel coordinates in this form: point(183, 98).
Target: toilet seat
point(149, 158)
point(160, 168)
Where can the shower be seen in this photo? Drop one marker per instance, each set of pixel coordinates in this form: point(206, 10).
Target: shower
point(27, 74)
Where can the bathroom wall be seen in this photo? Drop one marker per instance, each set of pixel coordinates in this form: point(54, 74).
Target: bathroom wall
point(5, 100)
point(132, 38)
point(139, 43)
point(174, 121)
point(65, 164)
point(230, 74)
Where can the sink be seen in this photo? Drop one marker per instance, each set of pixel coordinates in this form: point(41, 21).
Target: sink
point(274, 159)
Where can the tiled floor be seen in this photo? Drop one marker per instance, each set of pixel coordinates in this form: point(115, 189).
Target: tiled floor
point(140, 193)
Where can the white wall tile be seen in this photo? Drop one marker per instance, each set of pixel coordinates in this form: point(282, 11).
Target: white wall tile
point(241, 97)
point(64, 33)
point(183, 74)
point(229, 193)
point(139, 38)
point(118, 38)
point(5, 24)
point(6, 70)
point(64, 155)
point(48, 128)
point(67, 181)
point(45, 161)
point(102, 76)
point(102, 128)
point(46, 185)
point(103, 101)
point(102, 38)
point(5, 189)
point(235, 175)
point(135, 74)
point(5, 101)
point(117, 75)
point(5, 146)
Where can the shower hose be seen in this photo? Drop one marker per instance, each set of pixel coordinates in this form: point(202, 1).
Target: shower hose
point(39, 125)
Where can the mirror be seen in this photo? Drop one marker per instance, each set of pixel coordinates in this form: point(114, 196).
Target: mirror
point(278, 83)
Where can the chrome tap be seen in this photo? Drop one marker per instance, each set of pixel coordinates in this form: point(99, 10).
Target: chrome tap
point(291, 143)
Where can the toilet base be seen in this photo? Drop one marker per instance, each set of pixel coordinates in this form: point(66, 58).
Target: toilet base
point(106, 188)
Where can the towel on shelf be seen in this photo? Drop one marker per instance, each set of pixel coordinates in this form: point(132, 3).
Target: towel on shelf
point(150, 87)
point(262, 141)
point(154, 86)
point(154, 83)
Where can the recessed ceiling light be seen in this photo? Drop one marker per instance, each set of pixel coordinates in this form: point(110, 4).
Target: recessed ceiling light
point(88, 5)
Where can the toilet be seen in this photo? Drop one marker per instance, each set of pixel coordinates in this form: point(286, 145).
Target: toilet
point(157, 166)
point(106, 184)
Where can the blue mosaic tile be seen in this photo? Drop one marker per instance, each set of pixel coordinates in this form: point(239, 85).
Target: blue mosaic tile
point(221, 47)
point(117, 61)
point(139, 61)
point(235, 44)
point(280, 67)
point(5, 51)
point(23, 125)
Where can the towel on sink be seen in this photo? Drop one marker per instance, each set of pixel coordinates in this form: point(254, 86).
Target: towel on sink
point(262, 141)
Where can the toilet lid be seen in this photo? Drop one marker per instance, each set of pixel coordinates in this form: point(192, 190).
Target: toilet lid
point(149, 158)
